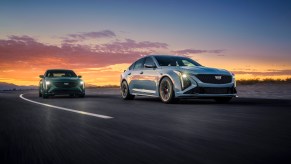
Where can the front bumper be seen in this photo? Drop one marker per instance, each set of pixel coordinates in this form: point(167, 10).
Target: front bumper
point(198, 89)
point(54, 90)
point(58, 91)
point(208, 92)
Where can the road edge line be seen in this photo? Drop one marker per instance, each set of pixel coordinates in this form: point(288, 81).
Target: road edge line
point(67, 109)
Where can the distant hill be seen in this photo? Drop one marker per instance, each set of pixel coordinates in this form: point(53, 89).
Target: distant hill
point(105, 86)
point(263, 81)
point(9, 86)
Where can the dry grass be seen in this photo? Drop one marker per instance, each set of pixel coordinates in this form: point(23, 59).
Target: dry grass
point(105, 86)
point(264, 81)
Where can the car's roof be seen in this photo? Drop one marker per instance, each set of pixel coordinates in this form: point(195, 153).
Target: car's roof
point(163, 55)
point(59, 70)
point(158, 55)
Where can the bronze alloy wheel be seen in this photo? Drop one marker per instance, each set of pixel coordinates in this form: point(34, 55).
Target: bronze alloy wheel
point(166, 90)
point(125, 91)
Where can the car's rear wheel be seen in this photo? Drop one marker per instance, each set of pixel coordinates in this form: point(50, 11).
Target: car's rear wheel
point(223, 99)
point(166, 90)
point(125, 91)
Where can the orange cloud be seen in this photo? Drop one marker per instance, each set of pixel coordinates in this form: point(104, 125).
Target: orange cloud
point(28, 58)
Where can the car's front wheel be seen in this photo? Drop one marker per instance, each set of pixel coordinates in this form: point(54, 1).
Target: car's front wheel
point(166, 90)
point(39, 93)
point(223, 99)
point(125, 91)
point(44, 96)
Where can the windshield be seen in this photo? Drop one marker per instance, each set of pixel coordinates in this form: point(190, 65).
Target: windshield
point(60, 73)
point(176, 61)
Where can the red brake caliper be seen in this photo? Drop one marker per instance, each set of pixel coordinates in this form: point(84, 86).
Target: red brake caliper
point(165, 90)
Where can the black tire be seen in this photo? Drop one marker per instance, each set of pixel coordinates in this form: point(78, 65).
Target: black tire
point(44, 96)
point(166, 91)
point(222, 100)
point(125, 91)
point(39, 93)
point(82, 95)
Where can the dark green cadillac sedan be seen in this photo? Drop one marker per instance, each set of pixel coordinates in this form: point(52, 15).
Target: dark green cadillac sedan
point(61, 82)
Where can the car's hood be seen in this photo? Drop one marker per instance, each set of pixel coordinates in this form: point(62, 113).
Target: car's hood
point(201, 70)
point(64, 79)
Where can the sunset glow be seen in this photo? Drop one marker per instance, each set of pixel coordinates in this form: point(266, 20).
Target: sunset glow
point(99, 40)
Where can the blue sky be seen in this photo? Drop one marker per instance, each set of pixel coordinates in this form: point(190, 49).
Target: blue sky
point(260, 21)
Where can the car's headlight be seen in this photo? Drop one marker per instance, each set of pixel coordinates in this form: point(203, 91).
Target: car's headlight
point(184, 78)
point(82, 84)
point(47, 84)
point(233, 78)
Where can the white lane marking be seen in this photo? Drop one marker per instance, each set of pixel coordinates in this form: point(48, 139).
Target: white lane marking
point(67, 109)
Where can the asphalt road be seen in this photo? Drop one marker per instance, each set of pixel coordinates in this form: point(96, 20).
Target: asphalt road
point(142, 131)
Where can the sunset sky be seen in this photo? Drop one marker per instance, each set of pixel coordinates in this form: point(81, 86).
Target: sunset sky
point(99, 39)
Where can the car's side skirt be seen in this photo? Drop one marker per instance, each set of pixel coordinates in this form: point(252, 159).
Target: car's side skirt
point(144, 94)
point(144, 91)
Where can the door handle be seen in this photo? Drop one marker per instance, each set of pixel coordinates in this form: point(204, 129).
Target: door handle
point(129, 74)
point(141, 72)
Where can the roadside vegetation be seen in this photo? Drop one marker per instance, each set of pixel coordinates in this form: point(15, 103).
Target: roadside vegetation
point(104, 86)
point(263, 81)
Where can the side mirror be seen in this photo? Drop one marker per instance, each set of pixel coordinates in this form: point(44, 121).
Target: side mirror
point(149, 66)
point(41, 76)
point(79, 76)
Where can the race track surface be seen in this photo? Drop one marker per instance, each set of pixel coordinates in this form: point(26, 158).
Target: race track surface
point(103, 128)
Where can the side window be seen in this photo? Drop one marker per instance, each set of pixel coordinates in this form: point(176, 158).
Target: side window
point(47, 74)
point(187, 63)
point(139, 64)
point(149, 61)
point(131, 67)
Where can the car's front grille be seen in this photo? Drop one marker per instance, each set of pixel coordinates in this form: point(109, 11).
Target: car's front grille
point(63, 91)
point(65, 84)
point(214, 79)
point(212, 90)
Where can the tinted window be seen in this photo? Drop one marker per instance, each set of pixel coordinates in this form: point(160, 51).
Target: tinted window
point(176, 61)
point(139, 64)
point(60, 73)
point(149, 61)
point(131, 67)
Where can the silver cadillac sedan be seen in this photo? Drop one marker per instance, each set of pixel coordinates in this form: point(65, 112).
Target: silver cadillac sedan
point(175, 77)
